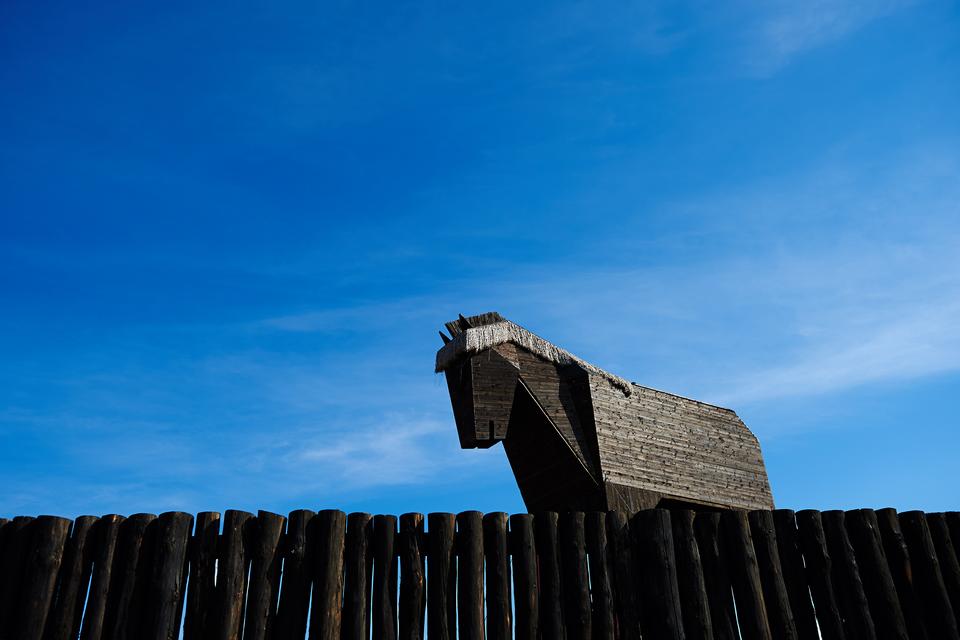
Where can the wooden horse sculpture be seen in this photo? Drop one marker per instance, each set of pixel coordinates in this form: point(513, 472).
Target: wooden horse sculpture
point(579, 438)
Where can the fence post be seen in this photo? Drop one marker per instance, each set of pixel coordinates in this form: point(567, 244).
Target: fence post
point(441, 577)
point(656, 564)
point(469, 546)
point(412, 580)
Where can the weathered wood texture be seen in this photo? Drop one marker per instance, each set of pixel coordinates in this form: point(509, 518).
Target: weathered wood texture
point(725, 575)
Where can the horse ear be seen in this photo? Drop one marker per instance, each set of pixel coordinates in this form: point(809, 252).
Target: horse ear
point(464, 323)
point(444, 337)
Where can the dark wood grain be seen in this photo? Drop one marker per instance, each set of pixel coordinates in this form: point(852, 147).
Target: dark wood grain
point(234, 564)
point(297, 577)
point(469, 546)
point(358, 569)
point(947, 557)
point(105, 536)
point(575, 577)
point(497, 556)
point(17, 534)
point(384, 577)
point(264, 580)
point(201, 593)
point(813, 544)
point(128, 584)
point(716, 575)
point(745, 576)
point(898, 560)
point(168, 577)
point(441, 577)
point(881, 591)
point(328, 545)
point(525, 587)
point(927, 577)
point(794, 574)
point(43, 560)
point(690, 581)
point(604, 621)
point(779, 612)
point(64, 621)
point(546, 537)
point(655, 561)
point(413, 580)
point(847, 584)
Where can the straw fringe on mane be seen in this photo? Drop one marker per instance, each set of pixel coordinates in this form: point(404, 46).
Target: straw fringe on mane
point(473, 340)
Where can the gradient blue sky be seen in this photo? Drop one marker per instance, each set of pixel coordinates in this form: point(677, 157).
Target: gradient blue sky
point(230, 231)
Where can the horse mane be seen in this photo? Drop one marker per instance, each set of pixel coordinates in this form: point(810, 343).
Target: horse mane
point(478, 333)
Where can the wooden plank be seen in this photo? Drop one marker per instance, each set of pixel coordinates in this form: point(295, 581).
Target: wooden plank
point(42, 565)
point(779, 612)
point(64, 621)
point(497, 556)
point(574, 576)
point(655, 562)
point(233, 565)
point(294, 604)
point(384, 577)
point(709, 534)
point(441, 577)
point(327, 600)
point(167, 577)
point(745, 575)
point(264, 580)
point(201, 590)
point(127, 594)
point(847, 585)
point(927, 577)
point(953, 522)
point(358, 568)
point(107, 529)
point(12, 566)
point(693, 588)
point(794, 574)
point(898, 560)
point(413, 596)
point(525, 587)
point(878, 582)
point(947, 556)
point(604, 626)
point(813, 545)
point(548, 551)
point(469, 546)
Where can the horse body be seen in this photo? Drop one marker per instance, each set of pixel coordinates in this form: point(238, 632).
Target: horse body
point(579, 438)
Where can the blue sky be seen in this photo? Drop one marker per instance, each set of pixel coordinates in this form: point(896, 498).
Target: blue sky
point(230, 231)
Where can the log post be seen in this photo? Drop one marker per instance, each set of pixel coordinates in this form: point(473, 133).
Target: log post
point(234, 562)
point(604, 627)
point(441, 577)
point(709, 534)
point(525, 588)
point(546, 536)
point(201, 587)
point(107, 529)
point(745, 574)
point(927, 577)
point(167, 577)
point(42, 565)
point(412, 579)
point(469, 545)
point(898, 560)
point(64, 621)
point(265, 562)
point(794, 575)
point(358, 571)
point(655, 562)
point(131, 561)
point(327, 556)
point(384, 577)
point(497, 556)
point(813, 544)
point(693, 588)
point(294, 604)
point(877, 580)
point(574, 578)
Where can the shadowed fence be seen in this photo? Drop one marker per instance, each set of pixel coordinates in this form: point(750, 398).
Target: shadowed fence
point(658, 574)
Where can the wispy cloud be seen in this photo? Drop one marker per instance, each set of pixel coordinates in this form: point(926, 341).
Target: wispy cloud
point(789, 29)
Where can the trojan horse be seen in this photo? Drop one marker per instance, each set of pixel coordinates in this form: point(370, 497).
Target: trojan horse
point(579, 438)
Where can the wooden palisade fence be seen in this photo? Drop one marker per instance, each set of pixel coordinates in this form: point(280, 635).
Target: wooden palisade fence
point(658, 574)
